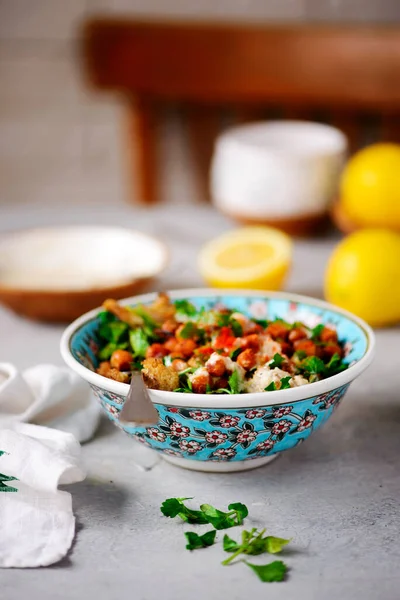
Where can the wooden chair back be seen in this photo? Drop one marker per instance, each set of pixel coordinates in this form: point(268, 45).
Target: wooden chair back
point(345, 75)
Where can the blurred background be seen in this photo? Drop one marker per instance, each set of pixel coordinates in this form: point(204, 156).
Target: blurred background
point(60, 142)
point(107, 121)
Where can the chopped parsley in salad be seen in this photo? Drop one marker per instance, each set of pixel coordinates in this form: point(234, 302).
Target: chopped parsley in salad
point(215, 351)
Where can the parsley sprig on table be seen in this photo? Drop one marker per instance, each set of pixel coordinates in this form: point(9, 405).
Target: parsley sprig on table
point(252, 542)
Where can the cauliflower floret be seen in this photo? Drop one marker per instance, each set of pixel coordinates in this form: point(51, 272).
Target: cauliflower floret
point(263, 376)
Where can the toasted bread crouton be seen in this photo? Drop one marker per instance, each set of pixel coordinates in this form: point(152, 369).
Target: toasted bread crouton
point(106, 370)
point(123, 313)
point(159, 377)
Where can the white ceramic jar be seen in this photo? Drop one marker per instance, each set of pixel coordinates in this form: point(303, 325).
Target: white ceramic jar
point(277, 171)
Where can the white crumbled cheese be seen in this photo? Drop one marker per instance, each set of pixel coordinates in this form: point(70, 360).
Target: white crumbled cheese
point(263, 376)
point(214, 358)
point(269, 347)
point(298, 380)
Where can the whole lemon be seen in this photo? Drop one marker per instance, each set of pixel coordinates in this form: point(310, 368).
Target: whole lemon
point(363, 276)
point(370, 187)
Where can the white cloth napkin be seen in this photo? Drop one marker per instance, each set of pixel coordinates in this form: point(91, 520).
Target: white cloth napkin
point(48, 395)
point(36, 521)
point(37, 525)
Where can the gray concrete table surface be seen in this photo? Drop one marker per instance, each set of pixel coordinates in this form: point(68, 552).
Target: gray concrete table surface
point(337, 496)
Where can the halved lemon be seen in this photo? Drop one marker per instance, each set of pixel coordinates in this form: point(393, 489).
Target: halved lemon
point(249, 257)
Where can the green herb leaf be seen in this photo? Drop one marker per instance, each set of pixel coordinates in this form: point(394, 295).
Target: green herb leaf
point(189, 330)
point(274, 571)
point(217, 518)
point(174, 507)
point(253, 543)
point(236, 328)
point(263, 322)
point(186, 384)
point(271, 387)
point(113, 331)
point(106, 317)
point(241, 511)
point(299, 355)
point(285, 383)
point(225, 520)
point(316, 331)
point(105, 353)
point(313, 364)
point(276, 362)
point(184, 309)
point(229, 544)
point(196, 541)
point(275, 544)
point(139, 342)
point(234, 383)
point(235, 353)
point(223, 319)
point(335, 365)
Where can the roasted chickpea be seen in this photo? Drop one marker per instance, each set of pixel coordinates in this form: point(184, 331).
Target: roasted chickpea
point(278, 330)
point(287, 349)
point(298, 333)
point(216, 366)
point(185, 347)
point(328, 335)
point(121, 360)
point(200, 381)
point(220, 382)
point(247, 359)
point(156, 351)
point(179, 365)
point(251, 341)
point(169, 326)
point(330, 349)
point(171, 344)
point(306, 346)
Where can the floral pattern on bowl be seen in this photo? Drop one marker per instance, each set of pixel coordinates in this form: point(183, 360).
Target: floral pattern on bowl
point(228, 435)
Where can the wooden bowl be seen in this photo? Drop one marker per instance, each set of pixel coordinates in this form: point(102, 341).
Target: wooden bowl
point(57, 274)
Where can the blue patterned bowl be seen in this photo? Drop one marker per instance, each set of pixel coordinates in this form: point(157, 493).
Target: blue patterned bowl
point(239, 431)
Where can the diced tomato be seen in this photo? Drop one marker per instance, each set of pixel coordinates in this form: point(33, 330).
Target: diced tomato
point(204, 350)
point(225, 339)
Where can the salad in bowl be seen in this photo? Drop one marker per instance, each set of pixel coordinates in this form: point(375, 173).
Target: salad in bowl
point(235, 377)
